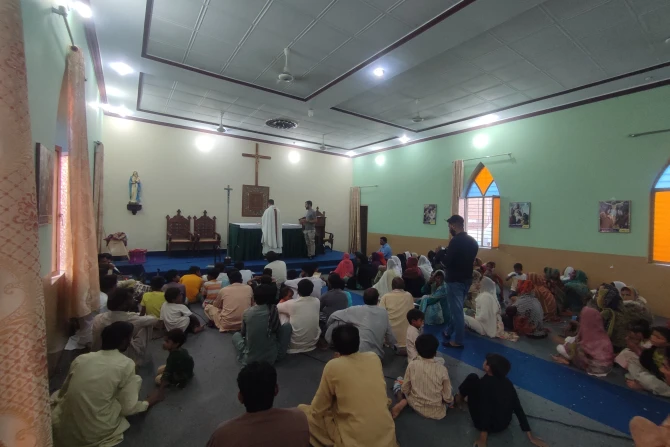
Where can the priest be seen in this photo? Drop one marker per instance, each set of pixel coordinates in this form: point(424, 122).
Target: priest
point(271, 227)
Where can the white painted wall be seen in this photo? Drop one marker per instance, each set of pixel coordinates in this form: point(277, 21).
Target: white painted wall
point(175, 174)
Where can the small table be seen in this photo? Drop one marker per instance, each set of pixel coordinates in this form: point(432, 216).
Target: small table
point(244, 242)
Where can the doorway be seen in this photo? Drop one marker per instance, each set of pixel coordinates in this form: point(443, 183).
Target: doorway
point(364, 229)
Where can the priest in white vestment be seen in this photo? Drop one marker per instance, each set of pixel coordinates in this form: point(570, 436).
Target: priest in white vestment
point(271, 227)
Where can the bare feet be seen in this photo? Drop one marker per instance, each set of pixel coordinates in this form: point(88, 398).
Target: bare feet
point(397, 408)
point(198, 329)
point(459, 402)
point(561, 360)
point(634, 385)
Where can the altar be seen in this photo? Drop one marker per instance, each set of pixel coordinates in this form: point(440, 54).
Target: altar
point(244, 242)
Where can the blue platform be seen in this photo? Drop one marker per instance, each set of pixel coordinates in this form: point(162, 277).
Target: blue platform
point(181, 262)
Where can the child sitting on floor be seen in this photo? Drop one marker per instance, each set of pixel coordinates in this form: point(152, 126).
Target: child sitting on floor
point(515, 276)
point(426, 386)
point(637, 341)
point(178, 368)
point(416, 320)
point(651, 372)
point(153, 301)
point(177, 316)
point(210, 289)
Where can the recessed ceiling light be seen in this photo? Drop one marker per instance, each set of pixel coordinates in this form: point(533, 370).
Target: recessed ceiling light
point(404, 139)
point(293, 157)
point(351, 153)
point(121, 68)
point(487, 119)
point(83, 9)
point(113, 91)
point(480, 141)
point(379, 72)
point(380, 160)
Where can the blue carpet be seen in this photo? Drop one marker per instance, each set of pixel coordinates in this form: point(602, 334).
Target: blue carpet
point(607, 403)
point(160, 261)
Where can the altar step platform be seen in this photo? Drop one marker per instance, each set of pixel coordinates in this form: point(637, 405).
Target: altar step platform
point(182, 263)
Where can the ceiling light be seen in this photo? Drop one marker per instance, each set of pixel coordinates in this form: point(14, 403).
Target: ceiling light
point(113, 91)
point(487, 119)
point(379, 72)
point(204, 143)
point(380, 160)
point(480, 141)
point(293, 157)
point(667, 40)
point(121, 68)
point(404, 139)
point(351, 153)
point(83, 9)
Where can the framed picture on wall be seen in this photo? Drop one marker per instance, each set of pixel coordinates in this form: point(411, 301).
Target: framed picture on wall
point(614, 216)
point(519, 214)
point(44, 174)
point(429, 214)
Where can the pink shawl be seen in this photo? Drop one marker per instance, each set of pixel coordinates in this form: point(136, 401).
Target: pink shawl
point(592, 336)
point(345, 268)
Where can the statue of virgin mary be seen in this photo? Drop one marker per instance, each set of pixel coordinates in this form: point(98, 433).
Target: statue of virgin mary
point(134, 187)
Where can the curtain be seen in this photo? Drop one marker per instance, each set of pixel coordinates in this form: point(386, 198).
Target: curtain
point(355, 220)
point(456, 185)
point(98, 163)
point(24, 388)
point(82, 285)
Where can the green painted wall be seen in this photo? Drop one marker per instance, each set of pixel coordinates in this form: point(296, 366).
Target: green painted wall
point(46, 45)
point(562, 162)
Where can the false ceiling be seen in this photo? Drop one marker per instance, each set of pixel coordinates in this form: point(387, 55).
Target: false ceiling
point(448, 65)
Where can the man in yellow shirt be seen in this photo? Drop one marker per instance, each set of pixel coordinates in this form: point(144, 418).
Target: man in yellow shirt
point(193, 282)
point(153, 301)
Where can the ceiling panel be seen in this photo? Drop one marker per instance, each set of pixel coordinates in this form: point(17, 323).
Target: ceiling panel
point(351, 16)
point(180, 12)
point(416, 13)
point(170, 34)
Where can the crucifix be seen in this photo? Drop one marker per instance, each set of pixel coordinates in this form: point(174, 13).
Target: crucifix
point(228, 189)
point(258, 158)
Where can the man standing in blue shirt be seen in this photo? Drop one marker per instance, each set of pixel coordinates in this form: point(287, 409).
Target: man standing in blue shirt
point(385, 248)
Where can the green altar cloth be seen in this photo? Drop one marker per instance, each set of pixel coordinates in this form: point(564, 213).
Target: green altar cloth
point(244, 242)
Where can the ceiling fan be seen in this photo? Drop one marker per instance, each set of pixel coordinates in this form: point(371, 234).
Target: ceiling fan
point(285, 76)
point(417, 118)
point(221, 128)
point(323, 146)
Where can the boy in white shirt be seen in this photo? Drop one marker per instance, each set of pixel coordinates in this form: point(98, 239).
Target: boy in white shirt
point(415, 318)
point(303, 313)
point(176, 315)
point(516, 276)
point(309, 273)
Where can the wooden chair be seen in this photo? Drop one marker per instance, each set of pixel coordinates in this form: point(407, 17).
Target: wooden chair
point(178, 231)
point(323, 237)
point(204, 228)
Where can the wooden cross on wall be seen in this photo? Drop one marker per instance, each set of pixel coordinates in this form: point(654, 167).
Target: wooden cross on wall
point(258, 158)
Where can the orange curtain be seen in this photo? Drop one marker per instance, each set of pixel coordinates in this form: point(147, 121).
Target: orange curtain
point(24, 388)
point(97, 194)
point(456, 186)
point(355, 220)
point(82, 285)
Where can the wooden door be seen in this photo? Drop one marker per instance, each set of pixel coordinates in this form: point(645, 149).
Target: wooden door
point(364, 229)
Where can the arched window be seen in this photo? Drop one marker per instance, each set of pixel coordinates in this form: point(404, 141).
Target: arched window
point(660, 206)
point(481, 208)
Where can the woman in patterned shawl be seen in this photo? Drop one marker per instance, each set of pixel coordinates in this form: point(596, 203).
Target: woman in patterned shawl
point(544, 296)
point(577, 291)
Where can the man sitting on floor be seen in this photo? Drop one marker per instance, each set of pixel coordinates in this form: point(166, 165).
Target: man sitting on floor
point(100, 390)
point(308, 271)
point(492, 399)
point(371, 320)
point(119, 305)
point(172, 280)
point(153, 301)
point(397, 303)
point(226, 311)
point(246, 274)
point(350, 408)
point(303, 313)
point(259, 340)
point(193, 282)
point(261, 425)
point(277, 266)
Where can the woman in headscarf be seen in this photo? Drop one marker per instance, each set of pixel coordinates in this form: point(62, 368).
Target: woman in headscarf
point(615, 319)
point(544, 296)
point(384, 285)
point(619, 285)
point(577, 291)
point(434, 306)
point(635, 306)
point(591, 350)
point(376, 260)
point(567, 274)
point(345, 268)
point(413, 277)
point(555, 285)
point(526, 312)
point(403, 261)
point(431, 257)
point(474, 290)
point(487, 320)
point(365, 273)
point(426, 268)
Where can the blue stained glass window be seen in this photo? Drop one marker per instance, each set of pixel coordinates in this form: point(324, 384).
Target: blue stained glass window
point(493, 190)
point(664, 181)
point(474, 191)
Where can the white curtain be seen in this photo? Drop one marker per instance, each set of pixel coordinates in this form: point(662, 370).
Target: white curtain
point(456, 185)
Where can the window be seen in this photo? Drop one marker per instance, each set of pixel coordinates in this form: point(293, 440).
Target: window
point(481, 208)
point(62, 199)
point(660, 206)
